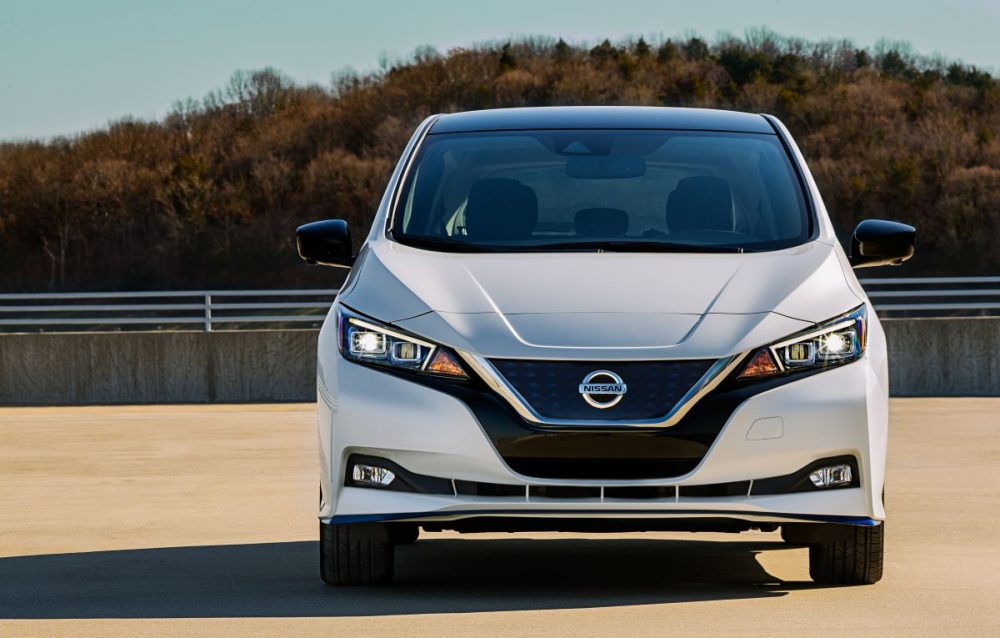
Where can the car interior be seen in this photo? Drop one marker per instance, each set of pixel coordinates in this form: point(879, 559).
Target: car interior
point(517, 191)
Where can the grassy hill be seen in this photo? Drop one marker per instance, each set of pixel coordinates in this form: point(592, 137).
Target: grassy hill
point(209, 197)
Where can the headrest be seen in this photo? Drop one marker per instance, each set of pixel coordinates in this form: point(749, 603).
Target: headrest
point(601, 222)
point(700, 203)
point(500, 209)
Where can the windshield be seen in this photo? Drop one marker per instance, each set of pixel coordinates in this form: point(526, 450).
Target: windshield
point(689, 191)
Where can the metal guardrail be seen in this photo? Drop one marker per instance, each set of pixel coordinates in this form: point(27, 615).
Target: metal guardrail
point(174, 310)
point(208, 310)
point(934, 296)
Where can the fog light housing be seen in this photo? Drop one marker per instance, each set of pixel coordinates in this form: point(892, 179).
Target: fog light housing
point(831, 476)
point(372, 475)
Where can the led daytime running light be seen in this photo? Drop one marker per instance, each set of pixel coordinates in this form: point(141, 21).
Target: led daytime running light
point(366, 341)
point(840, 340)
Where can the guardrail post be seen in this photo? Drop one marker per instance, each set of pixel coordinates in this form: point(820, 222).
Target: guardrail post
point(208, 313)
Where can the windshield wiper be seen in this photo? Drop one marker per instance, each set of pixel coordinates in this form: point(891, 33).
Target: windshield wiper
point(449, 244)
point(455, 245)
point(638, 247)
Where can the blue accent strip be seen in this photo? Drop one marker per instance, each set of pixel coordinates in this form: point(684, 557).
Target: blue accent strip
point(816, 518)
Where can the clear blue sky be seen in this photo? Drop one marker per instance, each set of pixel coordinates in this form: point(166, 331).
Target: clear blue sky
point(72, 65)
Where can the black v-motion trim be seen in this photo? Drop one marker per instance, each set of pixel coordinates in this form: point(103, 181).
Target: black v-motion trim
point(664, 453)
point(407, 481)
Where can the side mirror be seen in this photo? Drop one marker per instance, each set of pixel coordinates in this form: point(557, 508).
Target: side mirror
point(327, 243)
point(877, 242)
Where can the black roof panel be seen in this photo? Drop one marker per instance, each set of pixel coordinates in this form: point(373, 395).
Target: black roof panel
point(601, 117)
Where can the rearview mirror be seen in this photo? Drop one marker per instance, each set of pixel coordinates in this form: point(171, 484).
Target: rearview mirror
point(605, 167)
point(877, 242)
point(327, 243)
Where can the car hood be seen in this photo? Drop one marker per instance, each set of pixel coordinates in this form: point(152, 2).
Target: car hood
point(600, 305)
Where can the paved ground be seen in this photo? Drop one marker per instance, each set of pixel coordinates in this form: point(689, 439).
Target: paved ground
point(199, 520)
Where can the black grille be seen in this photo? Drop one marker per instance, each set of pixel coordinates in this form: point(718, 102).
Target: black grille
point(551, 388)
point(475, 488)
point(638, 492)
point(736, 488)
point(606, 468)
point(564, 491)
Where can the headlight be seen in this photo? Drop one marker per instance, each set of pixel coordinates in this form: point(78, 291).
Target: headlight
point(835, 342)
point(367, 341)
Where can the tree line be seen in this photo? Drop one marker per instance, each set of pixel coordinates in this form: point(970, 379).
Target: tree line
point(210, 195)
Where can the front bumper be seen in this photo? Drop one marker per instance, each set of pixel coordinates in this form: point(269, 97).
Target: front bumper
point(839, 412)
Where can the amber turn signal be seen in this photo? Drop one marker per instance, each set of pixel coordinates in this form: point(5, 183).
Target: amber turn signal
point(762, 364)
point(444, 363)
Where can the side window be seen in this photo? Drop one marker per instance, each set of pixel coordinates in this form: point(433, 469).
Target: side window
point(408, 205)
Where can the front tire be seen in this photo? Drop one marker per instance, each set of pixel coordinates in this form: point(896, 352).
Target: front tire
point(355, 554)
point(855, 559)
point(404, 533)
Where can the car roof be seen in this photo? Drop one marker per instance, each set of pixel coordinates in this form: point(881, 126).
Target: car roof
point(601, 117)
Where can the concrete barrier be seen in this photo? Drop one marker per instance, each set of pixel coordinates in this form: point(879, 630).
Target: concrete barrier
point(158, 367)
point(944, 357)
point(928, 357)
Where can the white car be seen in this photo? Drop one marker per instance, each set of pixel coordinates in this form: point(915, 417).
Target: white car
point(602, 319)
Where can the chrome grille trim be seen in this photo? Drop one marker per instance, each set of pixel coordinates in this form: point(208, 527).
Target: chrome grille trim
point(712, 378)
